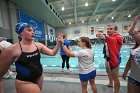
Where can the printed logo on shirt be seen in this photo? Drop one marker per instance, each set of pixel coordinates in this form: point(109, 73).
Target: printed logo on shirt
point(136, 57)
point(32, 55)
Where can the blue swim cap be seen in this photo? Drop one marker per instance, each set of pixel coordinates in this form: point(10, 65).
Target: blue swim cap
point(20, 26)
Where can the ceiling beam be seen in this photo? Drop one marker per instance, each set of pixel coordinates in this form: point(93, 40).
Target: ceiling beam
point(75, 10)
point(122, 4)
point(99, 3)
point(69, 7)
point(134, 10)
point(51, 1)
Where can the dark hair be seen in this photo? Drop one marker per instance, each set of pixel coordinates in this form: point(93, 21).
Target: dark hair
point(136, 45)
point(87, 41)
point(64, 36)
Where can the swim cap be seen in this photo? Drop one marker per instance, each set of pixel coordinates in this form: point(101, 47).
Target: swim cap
point(20, 26)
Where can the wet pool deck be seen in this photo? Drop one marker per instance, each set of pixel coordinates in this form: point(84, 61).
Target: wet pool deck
point(56, 81)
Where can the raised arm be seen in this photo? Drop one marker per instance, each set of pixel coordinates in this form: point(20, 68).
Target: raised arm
point(69, 48)
point(127, 68)
point(101, 36)
point(46, 50)
point(135, 34)
point(67, 51)
point(133, 24)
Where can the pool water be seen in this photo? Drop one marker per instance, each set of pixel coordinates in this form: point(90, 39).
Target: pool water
point(54, 62)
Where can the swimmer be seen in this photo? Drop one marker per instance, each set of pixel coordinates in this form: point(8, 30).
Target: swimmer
point(26, 54)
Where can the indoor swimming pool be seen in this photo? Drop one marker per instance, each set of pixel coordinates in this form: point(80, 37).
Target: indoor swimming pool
point(54, 62)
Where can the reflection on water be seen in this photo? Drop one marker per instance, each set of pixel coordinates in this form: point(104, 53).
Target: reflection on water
point(54, 62)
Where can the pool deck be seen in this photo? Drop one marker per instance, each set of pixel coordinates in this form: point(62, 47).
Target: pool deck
point(56, 81)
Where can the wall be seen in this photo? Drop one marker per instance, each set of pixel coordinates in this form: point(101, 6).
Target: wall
point(0, 18)
point(85, 29)
point(5, 29)
point(13, 17)
point(8, 19)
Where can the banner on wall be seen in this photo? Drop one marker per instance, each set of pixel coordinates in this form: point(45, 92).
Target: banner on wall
point(51, 33)
point(76, 31)
point(92, 30)
point(101, 29)
point(125, 27)
point(37, 24)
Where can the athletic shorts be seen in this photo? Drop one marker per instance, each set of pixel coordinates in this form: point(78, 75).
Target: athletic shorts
point(133, 81)
point(86, 77)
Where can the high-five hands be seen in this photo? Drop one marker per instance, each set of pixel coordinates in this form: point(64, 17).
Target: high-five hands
point(100, 35)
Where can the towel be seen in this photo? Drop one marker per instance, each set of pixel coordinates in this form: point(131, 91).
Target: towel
point(114, 43)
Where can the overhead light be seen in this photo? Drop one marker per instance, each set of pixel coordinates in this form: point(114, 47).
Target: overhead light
point(86, 4)
point(82, 21)
point(129, 15)
point(69, 23)
point(62, 8)
point(97, 19)
point(112, 17)
point(113, 0)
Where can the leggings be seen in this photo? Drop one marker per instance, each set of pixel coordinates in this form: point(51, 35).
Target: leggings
point(65, 59)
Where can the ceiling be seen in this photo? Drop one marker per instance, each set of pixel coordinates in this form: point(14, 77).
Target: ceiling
point(75, 10)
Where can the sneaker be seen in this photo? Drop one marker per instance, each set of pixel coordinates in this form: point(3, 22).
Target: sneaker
point(62, 70)
point(69, 71)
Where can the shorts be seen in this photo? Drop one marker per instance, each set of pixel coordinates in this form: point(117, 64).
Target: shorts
point(86, 77)
point(119, 59)
point(133, 81)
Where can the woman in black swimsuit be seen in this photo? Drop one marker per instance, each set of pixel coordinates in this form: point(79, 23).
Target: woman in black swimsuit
point(26, 55)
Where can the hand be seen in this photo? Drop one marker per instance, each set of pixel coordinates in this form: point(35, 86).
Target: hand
point(136, 18)
point(100, 35)
point(132, 26)
point(124, 75)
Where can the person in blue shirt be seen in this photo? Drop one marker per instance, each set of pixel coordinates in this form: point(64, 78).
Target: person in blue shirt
point(65, 58)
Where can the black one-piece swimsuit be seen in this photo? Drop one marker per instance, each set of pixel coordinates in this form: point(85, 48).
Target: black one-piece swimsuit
point(28, 66)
